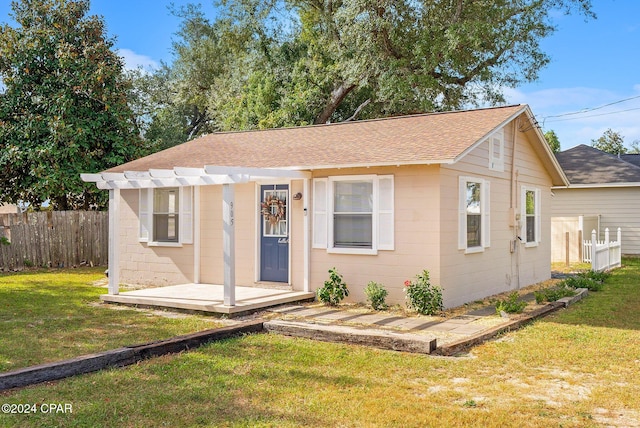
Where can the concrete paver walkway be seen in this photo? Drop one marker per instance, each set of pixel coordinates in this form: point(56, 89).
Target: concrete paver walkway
point(445, 330)
point(451, 334)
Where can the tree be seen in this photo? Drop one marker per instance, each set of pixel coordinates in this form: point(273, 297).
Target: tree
point(635, 147)
point(290, 62)
point(610, 142)
point(64, 108)
point(552, 140)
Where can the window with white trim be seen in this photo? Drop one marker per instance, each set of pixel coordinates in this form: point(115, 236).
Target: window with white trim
point(165, 215)
point(530, 216)
point(496, 151)
point(353, 214)
point(473, 214)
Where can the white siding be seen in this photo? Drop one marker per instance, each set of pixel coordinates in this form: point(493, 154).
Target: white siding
point(617, 207)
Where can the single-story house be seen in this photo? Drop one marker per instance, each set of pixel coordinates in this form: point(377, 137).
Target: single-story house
point(465, 195)
point(604, 194)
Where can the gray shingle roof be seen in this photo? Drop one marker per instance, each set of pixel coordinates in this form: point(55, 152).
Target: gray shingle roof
point(633, 158)
point(587, 165)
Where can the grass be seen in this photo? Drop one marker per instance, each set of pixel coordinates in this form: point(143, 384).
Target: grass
point(576, 368)
point(50, 316)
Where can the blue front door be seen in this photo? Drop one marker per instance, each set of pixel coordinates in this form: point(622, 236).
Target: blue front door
point(274, 233)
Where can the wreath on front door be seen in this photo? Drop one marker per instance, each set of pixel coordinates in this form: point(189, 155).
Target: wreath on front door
point(272, 209)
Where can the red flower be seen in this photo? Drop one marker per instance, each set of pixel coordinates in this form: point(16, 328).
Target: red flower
point(407, 283)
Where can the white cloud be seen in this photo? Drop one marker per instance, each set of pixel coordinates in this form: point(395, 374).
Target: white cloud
point(133, 60)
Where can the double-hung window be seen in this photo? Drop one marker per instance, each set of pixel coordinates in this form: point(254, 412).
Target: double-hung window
point(165, 215)
point(473, 214)
point(353, 214)
point(530, 216)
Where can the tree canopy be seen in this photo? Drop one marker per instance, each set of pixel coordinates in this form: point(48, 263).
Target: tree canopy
point(552, 140)
point(64, 107)
point(610, 142)
point(273, 63)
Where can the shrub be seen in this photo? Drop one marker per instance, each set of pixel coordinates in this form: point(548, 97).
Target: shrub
point(583, 282)
point(424, 298)
point(511, 304)
point(594, 275)
point(334, 290)
point(376, 294)
point(552, 294)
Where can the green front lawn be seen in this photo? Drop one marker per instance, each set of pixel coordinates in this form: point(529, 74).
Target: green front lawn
point(579, 367)
point(50, 316)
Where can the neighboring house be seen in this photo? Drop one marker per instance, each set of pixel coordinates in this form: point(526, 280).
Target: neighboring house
point(465, 195)
point(604, 188)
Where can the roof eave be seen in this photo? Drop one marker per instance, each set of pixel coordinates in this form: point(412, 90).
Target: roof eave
point(597, 185)
point(558, 176)
point(488, 134)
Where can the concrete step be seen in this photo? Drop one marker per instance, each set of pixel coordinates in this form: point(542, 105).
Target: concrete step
point(384, 339)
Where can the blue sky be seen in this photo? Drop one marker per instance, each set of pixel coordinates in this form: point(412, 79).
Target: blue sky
point(594, 63)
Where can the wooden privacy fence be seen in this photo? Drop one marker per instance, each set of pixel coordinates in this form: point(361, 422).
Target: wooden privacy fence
point(603, 255)
point(53, 239)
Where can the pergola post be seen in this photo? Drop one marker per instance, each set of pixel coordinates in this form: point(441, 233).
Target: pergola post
point(196, 235)
point(229, 244)
point(306, 235)
point(114, 241)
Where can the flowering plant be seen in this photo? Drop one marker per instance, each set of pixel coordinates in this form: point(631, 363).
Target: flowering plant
point(424, 298)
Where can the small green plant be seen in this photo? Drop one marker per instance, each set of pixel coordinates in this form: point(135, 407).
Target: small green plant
point(334, 290)
point(595, 276)
point(4, 241)
point(551, 294)
point(424, 298)
point(511, 305)
point(376, 295)
point(470, 403)
point(28, 263)
point(583, 282)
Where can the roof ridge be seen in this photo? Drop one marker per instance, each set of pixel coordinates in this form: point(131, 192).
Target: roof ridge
point(351, 122)
point(612, 156)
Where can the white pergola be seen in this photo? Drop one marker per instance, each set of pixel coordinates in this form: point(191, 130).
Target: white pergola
point(225, 176)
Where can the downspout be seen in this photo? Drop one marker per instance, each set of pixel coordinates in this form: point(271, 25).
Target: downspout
point(513, 220)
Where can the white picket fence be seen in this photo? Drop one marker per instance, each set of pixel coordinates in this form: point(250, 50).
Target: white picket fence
point(603, 255)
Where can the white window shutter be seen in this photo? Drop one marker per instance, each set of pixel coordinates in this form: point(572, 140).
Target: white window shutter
point(523, 214)
point(538, 216)
point(386, 223)
point(320, 212)
point(486, 213)
point(186, 215)
point(462, 213)
point(145, 205)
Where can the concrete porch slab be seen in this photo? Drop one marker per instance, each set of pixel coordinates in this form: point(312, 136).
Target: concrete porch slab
point(207, 298)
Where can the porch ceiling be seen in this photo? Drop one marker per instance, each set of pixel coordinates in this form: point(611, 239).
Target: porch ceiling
point(179, 176)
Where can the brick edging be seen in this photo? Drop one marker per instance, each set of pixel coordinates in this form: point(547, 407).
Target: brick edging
point(120, 357)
